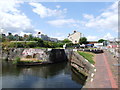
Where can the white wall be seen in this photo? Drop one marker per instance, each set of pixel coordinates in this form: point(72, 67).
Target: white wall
point(75, 37)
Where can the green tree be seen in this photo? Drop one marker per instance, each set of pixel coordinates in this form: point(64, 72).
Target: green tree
point(30, 37)
point(101, 40)
point(66, 41)
point(2, 37)
point(40, 42)
point(83, 40)
point(10, 37)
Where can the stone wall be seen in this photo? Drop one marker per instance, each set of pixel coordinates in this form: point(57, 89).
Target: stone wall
point(49, 55)
point(11, 53)
point(81, 64)
point(57, 55)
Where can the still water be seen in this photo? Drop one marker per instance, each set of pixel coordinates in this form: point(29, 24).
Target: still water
point(57, 75)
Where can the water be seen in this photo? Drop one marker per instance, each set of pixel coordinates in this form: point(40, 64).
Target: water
point(46, 76)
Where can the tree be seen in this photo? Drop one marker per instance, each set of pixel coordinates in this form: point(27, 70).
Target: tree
point(30, 37)
point(83, 40)
point(101, 40)
point(10, 37)
point(2, 37)
point(66, 41)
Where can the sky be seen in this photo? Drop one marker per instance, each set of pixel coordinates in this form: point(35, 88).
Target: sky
point(95, 20)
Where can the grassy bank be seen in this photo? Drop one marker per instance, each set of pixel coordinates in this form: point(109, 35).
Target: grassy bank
point(87, 55)
point(26, 60)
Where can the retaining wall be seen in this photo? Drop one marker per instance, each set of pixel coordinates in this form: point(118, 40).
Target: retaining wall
point(83, 66)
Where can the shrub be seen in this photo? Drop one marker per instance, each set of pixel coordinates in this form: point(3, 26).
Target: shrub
point(66, 41)
point(31, 44)
point(16, 44)
point(59, 44)
point(17, 59)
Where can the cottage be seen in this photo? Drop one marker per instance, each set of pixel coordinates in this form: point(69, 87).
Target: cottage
point(74, 37)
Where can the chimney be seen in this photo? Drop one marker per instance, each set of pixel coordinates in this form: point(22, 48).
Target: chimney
point(74, 31)
point(39, 32)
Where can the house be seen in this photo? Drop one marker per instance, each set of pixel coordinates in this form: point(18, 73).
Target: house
point(54, 39)
point(74, 37)
point(46, 38)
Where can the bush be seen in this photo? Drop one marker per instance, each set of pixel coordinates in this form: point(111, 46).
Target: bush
point(16, 44)
point(69, 44)
point(22, 44)
point(17, 59)
point(59, 44)
point(83, 40)
point(49, 44)
point(38, 43)
point(31, 44)
point(66, 41)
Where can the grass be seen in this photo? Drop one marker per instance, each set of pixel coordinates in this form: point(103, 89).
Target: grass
point(39, 47)
point(32, 61)
point(17, 59)
point(88, 56)
point(47, 48)
point(26, 60)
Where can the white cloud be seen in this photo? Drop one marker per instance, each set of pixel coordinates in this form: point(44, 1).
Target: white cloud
point(2, 31)
point(43, 11)
point(108, 36)
point(12, 19)
point(59, 36)
point(92, 38)
point(34, 32)
point(88, 16)
point(58, 6)
point(63, 22)
point(107, 20)
point(9, 5)
point(14, 22)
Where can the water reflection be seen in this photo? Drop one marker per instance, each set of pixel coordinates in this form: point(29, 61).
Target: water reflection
point(46, 76)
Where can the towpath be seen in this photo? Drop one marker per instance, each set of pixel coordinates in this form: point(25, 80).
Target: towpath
point(103, 77)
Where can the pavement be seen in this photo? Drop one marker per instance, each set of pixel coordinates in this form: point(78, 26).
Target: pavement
point(103, 77)
point(114, 65)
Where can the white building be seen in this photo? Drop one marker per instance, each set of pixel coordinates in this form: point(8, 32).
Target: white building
point(46, 38)
point(74, 37)
point(54, 39)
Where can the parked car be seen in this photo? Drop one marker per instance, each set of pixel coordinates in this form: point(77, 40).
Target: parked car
point(89, 45)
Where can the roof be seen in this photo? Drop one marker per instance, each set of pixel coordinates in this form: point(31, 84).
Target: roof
point(73, 33)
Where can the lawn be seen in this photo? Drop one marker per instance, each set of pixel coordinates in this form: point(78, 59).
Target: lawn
point(87, 55)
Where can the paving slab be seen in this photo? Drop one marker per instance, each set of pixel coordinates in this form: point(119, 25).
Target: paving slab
point(103, 77)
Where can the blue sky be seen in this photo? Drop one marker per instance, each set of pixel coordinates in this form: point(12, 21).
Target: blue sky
point(57, 19)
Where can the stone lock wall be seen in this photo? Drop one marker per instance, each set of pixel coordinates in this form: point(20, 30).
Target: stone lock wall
point(81, 64)
point(49, 55)
point(52, 56)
